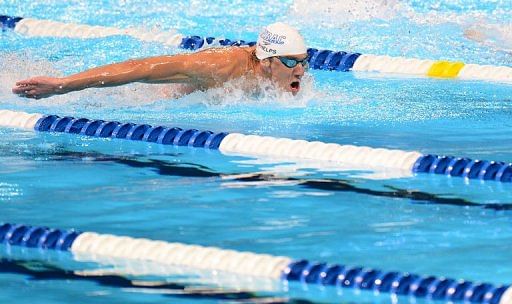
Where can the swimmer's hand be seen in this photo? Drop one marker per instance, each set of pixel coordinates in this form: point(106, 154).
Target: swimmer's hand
point(39, 87)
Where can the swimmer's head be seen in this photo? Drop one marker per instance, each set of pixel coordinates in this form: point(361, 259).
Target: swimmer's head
point(283, 55)
point(279, 39)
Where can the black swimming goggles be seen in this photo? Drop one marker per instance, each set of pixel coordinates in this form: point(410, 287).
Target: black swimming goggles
point(291, 63)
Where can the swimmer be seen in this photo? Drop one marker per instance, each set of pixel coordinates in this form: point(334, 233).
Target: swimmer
point(279, 56)
point(498, 37)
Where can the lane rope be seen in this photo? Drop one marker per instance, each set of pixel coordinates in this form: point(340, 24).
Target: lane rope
point(255, 145)
point(253, 264)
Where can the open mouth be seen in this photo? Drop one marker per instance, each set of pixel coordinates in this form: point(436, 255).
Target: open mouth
point(295, 86)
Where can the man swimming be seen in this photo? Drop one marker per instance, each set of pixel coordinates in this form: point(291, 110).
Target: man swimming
point(279, 56)
point(498, 37)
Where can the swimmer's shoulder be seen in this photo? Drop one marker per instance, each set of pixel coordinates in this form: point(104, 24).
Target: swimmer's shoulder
point(230, 55)
point(224, 63)
point(232, 50)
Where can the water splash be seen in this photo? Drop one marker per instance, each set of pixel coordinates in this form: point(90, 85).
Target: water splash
point(422, 29)
point(15, 67)
point(18, 68)
point(235, 92)
point(332, 13)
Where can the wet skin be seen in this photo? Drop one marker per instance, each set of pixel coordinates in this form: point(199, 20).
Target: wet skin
point(287, 79)
point(201, 71)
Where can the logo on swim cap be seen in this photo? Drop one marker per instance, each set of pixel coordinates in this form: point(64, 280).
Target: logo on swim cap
point(279, 39)
point(269, 37)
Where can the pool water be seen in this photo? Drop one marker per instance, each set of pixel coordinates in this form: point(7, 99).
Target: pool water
point(431, 225)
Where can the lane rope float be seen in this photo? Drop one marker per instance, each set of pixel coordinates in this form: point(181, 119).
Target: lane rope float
point(254, 145)
point(253, 264)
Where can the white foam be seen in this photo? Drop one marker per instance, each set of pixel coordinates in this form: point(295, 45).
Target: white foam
point(487, 28)
point(16, 67)
point(233, 93)
point(130, 95)
point(340, 12)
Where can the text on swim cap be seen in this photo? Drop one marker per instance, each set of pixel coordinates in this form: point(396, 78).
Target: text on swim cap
point(272, 38)
point(267, 49)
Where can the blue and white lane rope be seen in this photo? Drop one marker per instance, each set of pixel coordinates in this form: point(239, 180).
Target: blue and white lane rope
point(253, 145)
point(318, 59)
point(252, 264)
point(46, 28)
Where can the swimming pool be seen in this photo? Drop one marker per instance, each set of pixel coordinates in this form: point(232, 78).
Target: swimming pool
point(425, 224)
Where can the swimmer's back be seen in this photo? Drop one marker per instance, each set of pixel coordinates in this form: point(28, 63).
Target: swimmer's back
point(226, 63)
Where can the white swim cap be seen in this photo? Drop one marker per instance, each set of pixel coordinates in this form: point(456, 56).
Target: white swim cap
point(279, 39)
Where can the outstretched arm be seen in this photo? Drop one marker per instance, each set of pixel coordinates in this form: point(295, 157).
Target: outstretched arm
point(164, 69)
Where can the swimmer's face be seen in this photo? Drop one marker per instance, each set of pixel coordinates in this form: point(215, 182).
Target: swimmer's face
point(287, 71)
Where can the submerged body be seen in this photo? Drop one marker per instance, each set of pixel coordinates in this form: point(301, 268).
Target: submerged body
point(495, 36)
point(274, 58)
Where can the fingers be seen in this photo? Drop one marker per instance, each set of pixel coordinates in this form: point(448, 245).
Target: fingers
point(25, 82)
point(22, 82)
point(23, 88)
point(26, 92)
point(26, 88)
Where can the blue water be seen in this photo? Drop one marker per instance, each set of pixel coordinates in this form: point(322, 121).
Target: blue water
point(430, 225)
